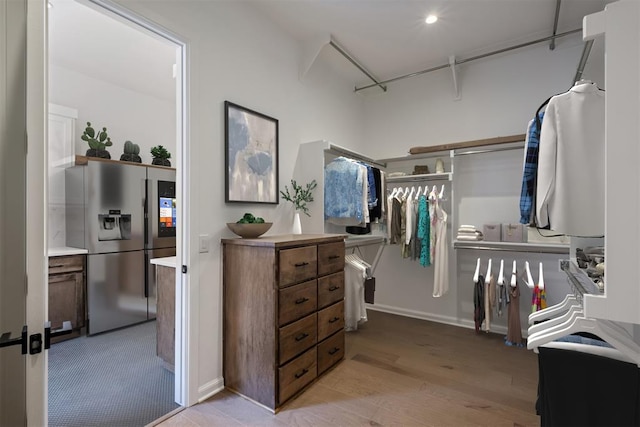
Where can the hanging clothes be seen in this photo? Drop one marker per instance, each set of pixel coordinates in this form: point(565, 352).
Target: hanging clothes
point(396, 221)
point(478, 302)
point(345, 192)
point(570, 169)
point(514, 329)
point(441, 261)
point(355, 310)
point(530, 169)
point(538, 298)
point(489, 301)
point(424, 230)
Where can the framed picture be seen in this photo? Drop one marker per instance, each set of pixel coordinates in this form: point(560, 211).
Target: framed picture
point(251, 156)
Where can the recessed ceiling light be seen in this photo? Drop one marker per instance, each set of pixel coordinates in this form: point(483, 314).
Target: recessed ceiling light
point(431, 19)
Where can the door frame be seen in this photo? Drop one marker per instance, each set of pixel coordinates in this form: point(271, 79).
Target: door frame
point(36, 215)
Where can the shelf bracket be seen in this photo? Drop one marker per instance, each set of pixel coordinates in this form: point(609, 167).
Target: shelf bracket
point(454, 72)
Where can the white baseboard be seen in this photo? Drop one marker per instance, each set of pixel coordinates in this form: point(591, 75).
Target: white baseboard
point(449, 320)
point(210, 388)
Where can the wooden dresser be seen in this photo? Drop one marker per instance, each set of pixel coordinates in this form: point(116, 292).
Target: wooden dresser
point(283, 313)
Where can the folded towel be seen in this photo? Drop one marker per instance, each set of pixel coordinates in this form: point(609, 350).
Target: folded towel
point(470, 238)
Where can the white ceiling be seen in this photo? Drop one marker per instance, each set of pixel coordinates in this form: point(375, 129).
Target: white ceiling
point(388, 37)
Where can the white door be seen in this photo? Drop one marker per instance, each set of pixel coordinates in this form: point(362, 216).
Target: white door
point(22, 209)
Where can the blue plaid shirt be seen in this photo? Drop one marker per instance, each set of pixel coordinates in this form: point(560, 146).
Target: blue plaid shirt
point(530, 171)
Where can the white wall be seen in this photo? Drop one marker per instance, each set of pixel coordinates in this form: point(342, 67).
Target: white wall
point(499, 96)
point(236, 55)
point(128, 115)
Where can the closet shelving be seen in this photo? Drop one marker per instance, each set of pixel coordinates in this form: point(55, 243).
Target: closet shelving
point(579, 279)
point(547, 248)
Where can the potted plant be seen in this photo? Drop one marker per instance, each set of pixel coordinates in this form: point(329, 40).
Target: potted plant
point(131, 153)
point(299, 196)
point(98, 142)
point(160, 156)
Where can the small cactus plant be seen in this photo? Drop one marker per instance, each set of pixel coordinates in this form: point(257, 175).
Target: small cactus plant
point(131, 152)
point(160, 156)
point(98, 142)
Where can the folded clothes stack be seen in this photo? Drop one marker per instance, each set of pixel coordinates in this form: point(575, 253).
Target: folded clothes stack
point(469, 232)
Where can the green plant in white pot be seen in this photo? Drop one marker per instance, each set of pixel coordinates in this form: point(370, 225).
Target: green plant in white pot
point(299, 197)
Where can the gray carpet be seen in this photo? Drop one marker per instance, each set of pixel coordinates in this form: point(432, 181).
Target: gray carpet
point(111, 379)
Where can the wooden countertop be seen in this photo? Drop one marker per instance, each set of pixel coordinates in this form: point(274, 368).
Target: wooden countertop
point(284, 240)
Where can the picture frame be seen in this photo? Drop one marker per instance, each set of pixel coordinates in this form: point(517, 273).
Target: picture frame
point(251, 156)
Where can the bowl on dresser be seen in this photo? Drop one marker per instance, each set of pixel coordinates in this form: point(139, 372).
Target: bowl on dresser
point(249, 230)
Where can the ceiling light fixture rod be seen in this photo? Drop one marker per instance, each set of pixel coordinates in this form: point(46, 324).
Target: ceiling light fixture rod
point(552, 45)
point(462, 61)
point(357, 64)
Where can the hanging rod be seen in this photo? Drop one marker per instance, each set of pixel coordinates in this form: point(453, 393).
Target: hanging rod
point(356, 63)
point(489, 150)
point(511, 247)
point(462, 61)
point(583, 60)
point(552, 45)
point(353, 155)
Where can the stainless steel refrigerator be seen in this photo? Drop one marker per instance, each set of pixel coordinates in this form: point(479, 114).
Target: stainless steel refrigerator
point(114, 211)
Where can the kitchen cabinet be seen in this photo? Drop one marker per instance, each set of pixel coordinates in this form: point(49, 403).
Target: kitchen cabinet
point(283, 314)
point(166, 310)
point(67, 294)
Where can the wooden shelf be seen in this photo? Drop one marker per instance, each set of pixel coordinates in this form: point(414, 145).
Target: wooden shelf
point(468, 144)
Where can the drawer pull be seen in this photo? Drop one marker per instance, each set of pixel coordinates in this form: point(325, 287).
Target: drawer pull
point(301, 373)
point(301, 264)
point(302, 300)
point(334, 350)
point(302, 336)
point(334, 320)
point(334, 256)
point(334, 288)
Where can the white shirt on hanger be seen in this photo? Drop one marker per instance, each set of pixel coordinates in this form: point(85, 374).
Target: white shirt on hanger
point(570, 191)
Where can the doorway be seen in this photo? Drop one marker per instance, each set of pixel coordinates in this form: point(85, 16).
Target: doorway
point(115, 70)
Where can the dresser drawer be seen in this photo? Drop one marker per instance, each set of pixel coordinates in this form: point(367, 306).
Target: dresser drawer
point(330, 258)
point(296, 374)
point(297, 337)
point(66, 264)
point(330, 320)
point(330, 351)
point(297, 265)
point(297, 301)
point(330, 289)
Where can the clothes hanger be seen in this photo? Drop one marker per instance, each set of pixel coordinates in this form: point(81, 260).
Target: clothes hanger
point(621, 340)
point(574, 310)
point(410, 196)
point(418, 192)
point(441, 194)
point(530, 282)
point(477, 272)
point(501, 274)
point(488, 271)
point(514, 278)
point(552, 311)
point(540, 277)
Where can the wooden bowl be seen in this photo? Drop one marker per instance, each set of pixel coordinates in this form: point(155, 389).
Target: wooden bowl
point(249, 231)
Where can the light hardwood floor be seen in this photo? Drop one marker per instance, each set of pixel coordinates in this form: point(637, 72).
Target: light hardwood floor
point(400, 371)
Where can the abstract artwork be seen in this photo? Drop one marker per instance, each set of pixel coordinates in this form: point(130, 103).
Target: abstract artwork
point(251, 157)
